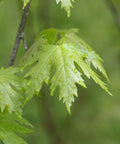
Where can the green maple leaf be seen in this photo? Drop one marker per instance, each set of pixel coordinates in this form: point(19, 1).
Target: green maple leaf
point(61, 61)
point(66, 4)
point(11, 90)
point(10, 124)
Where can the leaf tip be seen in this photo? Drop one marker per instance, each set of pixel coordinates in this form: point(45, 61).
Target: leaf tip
point(68, 105)
point(109, 93)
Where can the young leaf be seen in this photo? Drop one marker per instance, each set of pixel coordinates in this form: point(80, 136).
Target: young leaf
point(9, 125)
point(10, 90)
point(65, 56)
point(66, 4)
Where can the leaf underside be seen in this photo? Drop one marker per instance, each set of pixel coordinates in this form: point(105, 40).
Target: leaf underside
point(69, 56)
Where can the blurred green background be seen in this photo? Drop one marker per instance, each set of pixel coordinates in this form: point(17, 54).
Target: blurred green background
point(95, 115)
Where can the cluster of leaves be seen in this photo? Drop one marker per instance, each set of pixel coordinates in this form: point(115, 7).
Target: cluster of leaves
point(58, 58)
point(11, 102)
point(12, 97)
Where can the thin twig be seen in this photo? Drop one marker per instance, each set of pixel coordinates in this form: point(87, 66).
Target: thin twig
point(114, 12)
point(19, 33)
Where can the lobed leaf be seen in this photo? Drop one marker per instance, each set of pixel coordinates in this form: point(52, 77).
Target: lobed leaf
point(70, 57)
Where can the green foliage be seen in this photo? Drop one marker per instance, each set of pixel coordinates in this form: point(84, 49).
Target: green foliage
point(66, 4)
point(10, 124)
point(61, 58)
point(11, 98)
point(11, 90)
